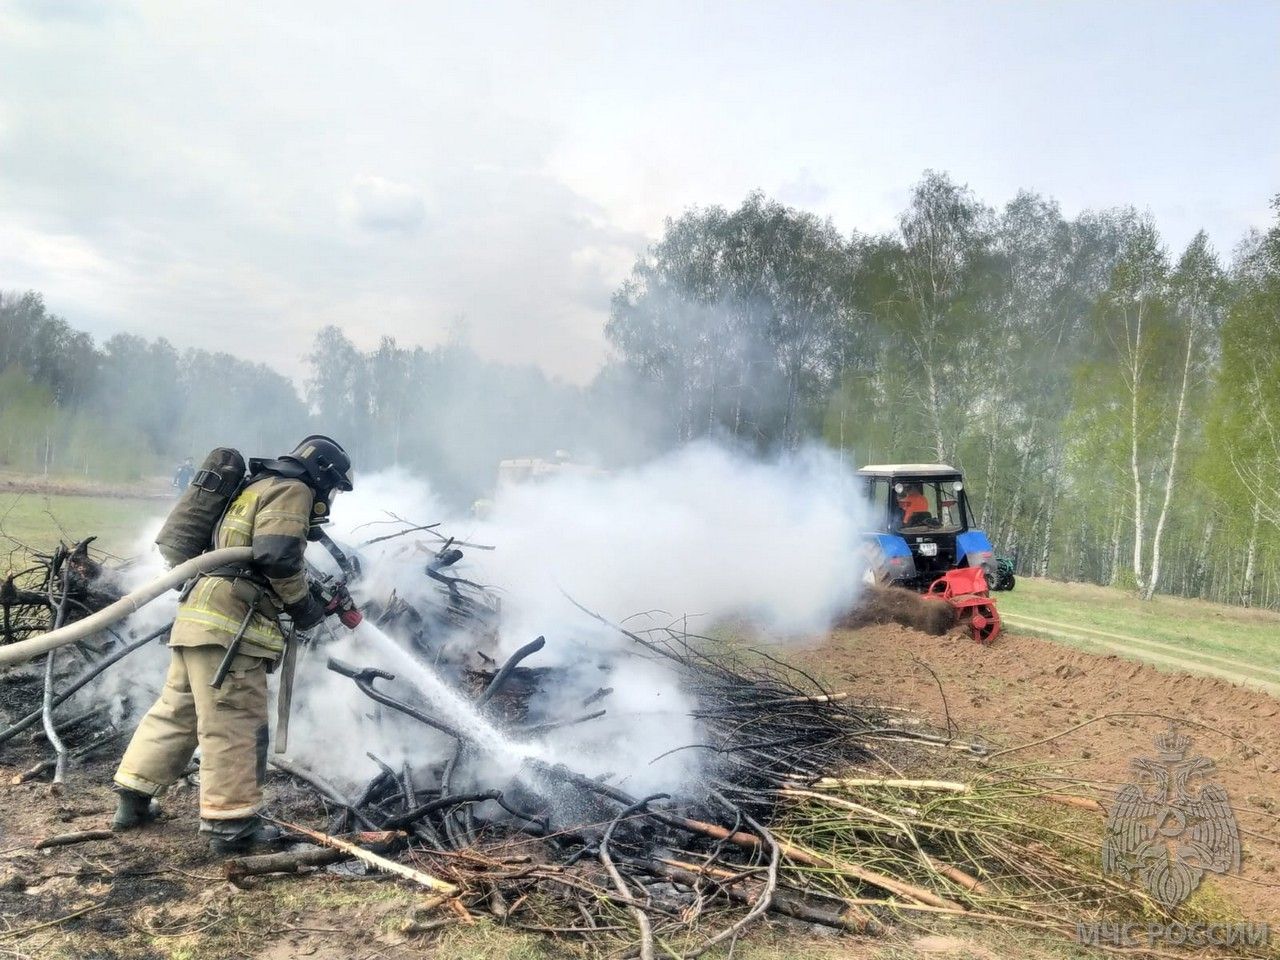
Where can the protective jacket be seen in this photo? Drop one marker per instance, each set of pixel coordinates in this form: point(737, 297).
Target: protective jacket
point(272, 515)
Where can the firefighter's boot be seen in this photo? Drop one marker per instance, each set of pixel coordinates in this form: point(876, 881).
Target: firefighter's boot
point(133, 809)
point(232, 838)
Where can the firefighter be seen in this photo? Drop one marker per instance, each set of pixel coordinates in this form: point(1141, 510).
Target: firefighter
point(279, 509)
point(913, 503)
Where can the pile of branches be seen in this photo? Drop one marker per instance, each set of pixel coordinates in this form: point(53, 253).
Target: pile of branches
point(801, 813)
point(455, 605)
point(68, 583)
point(803, 807)
point(53, 590)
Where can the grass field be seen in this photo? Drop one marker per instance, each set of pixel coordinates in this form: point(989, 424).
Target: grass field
point(40, 520)
point(1215, 635)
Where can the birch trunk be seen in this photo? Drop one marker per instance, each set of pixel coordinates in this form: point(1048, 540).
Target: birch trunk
point(935, 417)
point(1034, 532)
point(1158, 536)
point(1135, 374)
point(1048, 537)
point(1080, 553)
point(790, 431)
point(1048, 523)
point(1009, 524)
point(985, 521)
point(1201, 566)
point(1251, 558)
point(1114, 567)
point(686, 411)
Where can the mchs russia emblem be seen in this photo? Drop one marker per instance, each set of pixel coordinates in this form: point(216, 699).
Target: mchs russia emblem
point(1172, 826)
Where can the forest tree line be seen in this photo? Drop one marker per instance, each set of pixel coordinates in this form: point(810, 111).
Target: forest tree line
point(1114, 404)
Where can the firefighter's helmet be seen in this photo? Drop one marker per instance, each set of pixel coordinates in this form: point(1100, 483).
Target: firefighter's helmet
point(325, 463)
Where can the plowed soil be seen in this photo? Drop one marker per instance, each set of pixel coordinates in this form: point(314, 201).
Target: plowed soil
point(1094, 715)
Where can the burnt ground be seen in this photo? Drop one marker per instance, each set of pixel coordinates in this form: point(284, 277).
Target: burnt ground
point(158, 893)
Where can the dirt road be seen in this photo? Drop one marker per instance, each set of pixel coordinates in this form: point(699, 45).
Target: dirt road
point(1263, 678)
point(152, 488)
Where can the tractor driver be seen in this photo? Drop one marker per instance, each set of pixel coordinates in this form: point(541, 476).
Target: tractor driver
point(912, 502)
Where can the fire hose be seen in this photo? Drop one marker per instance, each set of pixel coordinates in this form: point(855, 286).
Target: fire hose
point(130, 603)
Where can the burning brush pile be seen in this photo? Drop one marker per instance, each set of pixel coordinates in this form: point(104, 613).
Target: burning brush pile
point(782, 799)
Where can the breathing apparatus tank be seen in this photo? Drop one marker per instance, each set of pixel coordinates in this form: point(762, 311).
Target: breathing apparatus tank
point(188, 530)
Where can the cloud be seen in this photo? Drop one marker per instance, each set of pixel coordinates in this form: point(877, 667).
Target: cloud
point(804, 190)
point(84, 11)
point(382, 205)
point(210, 173)
point(247, 173)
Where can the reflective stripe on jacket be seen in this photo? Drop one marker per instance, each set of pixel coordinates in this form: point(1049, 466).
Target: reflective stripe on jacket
point(272, 515)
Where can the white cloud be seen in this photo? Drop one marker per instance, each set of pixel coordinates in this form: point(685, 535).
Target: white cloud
point(211, 171)
point(383, 205)
point(803, 190)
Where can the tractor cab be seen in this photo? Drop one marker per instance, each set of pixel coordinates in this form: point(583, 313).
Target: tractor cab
point(921, 525)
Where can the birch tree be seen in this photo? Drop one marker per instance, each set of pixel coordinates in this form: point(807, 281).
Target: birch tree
point(946, 237)
point(1197, 294)
point(1130, 315)
point(739, 312)
point(1247, 434)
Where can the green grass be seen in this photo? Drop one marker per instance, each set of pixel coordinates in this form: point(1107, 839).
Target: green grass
point(39, 520)
point(1192, 626)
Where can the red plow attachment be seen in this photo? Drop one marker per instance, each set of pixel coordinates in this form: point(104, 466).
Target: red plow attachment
point(966, 590)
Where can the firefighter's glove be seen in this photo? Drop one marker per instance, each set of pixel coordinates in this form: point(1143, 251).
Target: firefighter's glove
point(305, 613)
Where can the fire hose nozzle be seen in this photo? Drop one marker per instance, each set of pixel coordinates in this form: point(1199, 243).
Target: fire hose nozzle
point(338, 602)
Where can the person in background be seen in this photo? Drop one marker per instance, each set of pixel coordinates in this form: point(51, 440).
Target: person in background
point(913, 503)
point(182, 476)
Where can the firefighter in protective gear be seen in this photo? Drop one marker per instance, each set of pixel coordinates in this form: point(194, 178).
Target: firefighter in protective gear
point(281, 507)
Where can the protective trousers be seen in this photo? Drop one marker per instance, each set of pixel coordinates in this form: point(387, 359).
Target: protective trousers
point(229, 725)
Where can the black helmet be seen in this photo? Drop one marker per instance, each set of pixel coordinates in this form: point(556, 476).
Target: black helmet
point(325, 463)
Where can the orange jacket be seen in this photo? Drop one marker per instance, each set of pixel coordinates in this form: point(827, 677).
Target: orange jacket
point(912, 504)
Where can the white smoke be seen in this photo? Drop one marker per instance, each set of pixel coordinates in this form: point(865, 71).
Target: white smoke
point(702, 532)
point(131, 686)
point(698, 538)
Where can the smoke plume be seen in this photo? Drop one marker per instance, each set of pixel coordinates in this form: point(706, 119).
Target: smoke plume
point(703, 539)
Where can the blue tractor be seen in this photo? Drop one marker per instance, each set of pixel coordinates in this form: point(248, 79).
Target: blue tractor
point(922, 525)
point(923, 538)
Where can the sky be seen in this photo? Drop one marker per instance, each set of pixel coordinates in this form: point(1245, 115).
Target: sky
point(234, 176)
